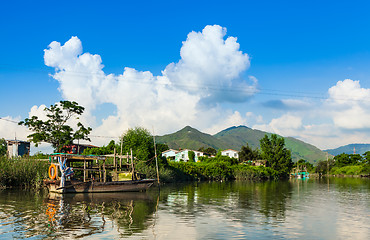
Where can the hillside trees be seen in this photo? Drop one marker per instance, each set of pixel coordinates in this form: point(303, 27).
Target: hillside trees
point(277, 156)
point(55, 129)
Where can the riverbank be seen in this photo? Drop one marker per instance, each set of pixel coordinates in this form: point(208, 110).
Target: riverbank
point(318, 175)
point(29, 173)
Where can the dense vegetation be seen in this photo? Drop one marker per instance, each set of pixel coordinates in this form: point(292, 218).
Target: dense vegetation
point(22, 172)
point(346, 164)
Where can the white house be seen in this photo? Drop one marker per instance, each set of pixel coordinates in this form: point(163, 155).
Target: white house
point(171, 154)
point(183, 155)
point(230, 153)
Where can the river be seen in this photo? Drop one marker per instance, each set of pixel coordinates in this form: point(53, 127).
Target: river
point(328, 208)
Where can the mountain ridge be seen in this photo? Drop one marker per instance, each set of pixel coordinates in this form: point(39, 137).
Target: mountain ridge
point(235, 137)
point(359, 148)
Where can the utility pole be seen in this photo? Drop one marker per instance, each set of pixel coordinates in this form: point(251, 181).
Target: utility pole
point(156, 159)
point(327, 164)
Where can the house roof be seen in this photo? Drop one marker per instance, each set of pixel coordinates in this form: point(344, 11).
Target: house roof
point(16, 141)
point(229, 150)
point(169, 150)
point(183, 150)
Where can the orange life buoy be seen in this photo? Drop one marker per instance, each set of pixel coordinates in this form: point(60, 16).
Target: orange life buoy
point(52, 172)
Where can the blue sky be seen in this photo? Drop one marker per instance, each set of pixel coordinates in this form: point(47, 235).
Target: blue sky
point(296, 52)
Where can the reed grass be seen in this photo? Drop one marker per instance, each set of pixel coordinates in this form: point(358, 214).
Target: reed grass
point(22, 172)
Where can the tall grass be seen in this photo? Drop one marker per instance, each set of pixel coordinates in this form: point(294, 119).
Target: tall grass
point(22, 172)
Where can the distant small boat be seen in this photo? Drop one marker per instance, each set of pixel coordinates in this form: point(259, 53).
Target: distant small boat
point(70, 173)
point(300, 173)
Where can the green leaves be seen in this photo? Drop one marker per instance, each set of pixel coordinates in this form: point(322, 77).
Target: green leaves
point(247, 153)
point(140, 141)
point(54, 130)
point(3, 147)
point(277, 156)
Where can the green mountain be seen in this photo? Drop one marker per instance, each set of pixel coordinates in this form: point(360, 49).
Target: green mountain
point(359, 148)
point(235, 138)
point(239, 136)
point(190, 138)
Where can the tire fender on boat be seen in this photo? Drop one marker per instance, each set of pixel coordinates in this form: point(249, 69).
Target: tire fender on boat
point(52, 171)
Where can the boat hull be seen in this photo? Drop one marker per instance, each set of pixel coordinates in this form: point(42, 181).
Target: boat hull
point(96, 187)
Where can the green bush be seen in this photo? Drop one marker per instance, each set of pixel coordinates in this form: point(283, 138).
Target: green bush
point(347, 170)
point(247, 172)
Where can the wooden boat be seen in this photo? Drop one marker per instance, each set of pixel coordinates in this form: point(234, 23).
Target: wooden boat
point(70, 173)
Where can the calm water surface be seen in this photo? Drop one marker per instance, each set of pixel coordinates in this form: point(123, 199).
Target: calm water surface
point(296, 209)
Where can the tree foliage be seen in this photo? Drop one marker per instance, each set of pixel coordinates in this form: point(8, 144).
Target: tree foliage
point(247, 153)
point(140, 141)
point(277, 156)
point(344, 159)
point(191, 156)
point(366, 158)
point(209, 151)
point(142, 144)
point(55, 129)
point(105, 150)
point(303, 164)
point(3, 147)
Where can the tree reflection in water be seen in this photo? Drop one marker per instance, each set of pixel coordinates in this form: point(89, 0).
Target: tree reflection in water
point(229, 198)
point(82, 215)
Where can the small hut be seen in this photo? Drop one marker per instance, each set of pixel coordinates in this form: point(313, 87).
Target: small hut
point(17, 148)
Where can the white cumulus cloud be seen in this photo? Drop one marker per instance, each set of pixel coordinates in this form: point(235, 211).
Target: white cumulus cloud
point(211, 70)
point(349, 105)
point(340, 119)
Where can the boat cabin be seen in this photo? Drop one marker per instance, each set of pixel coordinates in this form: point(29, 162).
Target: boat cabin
point(80, 173)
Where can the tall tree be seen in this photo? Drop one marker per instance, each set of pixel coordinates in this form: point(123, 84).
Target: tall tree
point(277, 156)
point(247, 153)
point(140, 141)
point(55, 129)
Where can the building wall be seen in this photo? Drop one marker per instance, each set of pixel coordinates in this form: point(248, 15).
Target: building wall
point(170, 153)
point(18, 148)
point(184, 155)
point(230, 153)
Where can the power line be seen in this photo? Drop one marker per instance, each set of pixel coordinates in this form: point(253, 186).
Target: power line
point(8, 120)
point(248, 90)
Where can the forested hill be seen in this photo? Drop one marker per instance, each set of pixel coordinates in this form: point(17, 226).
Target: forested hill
point(235, 138)
point(359, 148)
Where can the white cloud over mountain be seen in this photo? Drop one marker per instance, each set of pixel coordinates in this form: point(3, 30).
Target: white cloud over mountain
point(187, 92)
point(340, 119)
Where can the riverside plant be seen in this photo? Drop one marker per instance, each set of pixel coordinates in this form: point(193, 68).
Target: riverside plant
point(22, 172)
